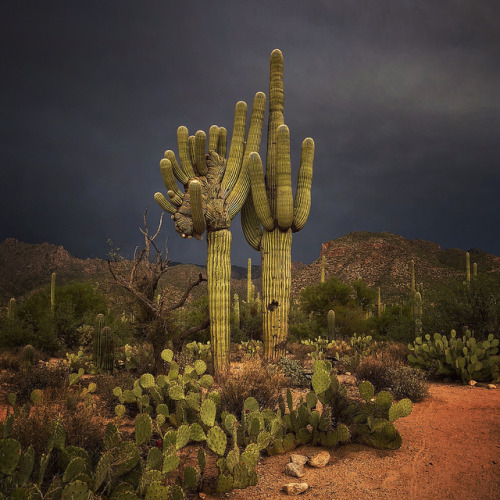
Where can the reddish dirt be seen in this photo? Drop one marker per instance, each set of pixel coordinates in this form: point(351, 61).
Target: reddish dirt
point(451, 450)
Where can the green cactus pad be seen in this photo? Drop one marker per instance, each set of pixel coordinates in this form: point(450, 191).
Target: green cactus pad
point(263, 439)
point(191, 478)
point(154, 459)
point(25, 467)
point(311, 400)
point(111, 436)
point(206, 381)
point(75, 467)
point(303, 436)
point(207, 412)
point(182, 438)
point(224, 483)
point(228, 423)
point(202, 459)
point(289, 442)
point(320, 381)
point(250, 455)
point(170, 462)
point(343, 433)
point(176, 392)
point(196, 432)
point(36, 396)
point(120, 410)
point(400, 409)
point(366, 390)
point(241, 476)
point(383, 400)
point(143, 429)
point(217, 440)
point(77, 490)
point(251, 405)
point(11, 398)
point(10, 450)
point(157, 491)
point(232, 459)
point(289, 400)
point(147, 380)
point(162, 409)
point(167, 355)
point(200, 367)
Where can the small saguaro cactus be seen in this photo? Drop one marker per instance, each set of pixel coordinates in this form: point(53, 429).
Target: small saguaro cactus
point(53, 293)
point(467, 267)
point(97, 340)
point(28, 355)
point(331, 324)
point(236, 309)
point(214, 192)
point(379, 303)
point(11, 309)
point(107, 349)
point(271, 214)
point(418, 314)
point(322, 269)
point(474, 270)
point(250, 295)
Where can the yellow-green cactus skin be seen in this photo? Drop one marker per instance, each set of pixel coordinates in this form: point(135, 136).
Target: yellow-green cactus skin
point(53, 293)
point(271, 214)
point(467, 266)
point(215, 189)
point(250, 290)
point(323, 269)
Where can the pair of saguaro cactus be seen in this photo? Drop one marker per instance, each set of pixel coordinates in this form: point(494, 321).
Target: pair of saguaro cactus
point(215, 190)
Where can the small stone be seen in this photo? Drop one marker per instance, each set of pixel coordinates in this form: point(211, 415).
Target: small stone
point(320, 459)
point(295, 488)
point(202, 495)
point(347, 373)
point(294, 469)
point(298, 459)
point(472, 383)
point(492, 386)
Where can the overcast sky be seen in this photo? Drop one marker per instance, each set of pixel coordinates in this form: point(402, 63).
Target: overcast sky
point(401, 97)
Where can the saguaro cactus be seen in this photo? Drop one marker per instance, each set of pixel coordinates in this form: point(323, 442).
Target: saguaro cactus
point(11, 309)
point(322, 269)
point(418, 314)
point(331, 324)
point(214, 192)
point(97, 343)
point(53, 293)
point(250, 295)
point(107, 348)
point(271, 215)
point(379, 303)
point(237, 309)
point(467, 267)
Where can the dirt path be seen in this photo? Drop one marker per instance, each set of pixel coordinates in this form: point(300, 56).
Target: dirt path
point(451, 450)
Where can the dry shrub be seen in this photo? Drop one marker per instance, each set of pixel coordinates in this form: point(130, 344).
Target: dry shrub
point(105, 385)
point(386, 370)
point(33, 426)
point(299, 351)
point(396, 350)
point(254, 379)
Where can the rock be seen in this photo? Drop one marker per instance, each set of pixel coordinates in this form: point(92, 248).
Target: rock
point(492, 386)
point(298, 459)
point(320, 459)
point(295, 488)
point(472, 383)
point(294, 469)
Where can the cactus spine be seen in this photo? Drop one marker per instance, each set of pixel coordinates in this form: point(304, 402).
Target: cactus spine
point(271, 214)
point(322, 269)
point(215, 191)
point(53, 293)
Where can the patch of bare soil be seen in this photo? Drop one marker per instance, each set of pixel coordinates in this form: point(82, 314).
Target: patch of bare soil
point(451, 450)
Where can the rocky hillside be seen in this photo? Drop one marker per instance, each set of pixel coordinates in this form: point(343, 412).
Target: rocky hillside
point(381, 259)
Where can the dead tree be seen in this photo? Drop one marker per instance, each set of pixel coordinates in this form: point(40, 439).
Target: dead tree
point(140, 279)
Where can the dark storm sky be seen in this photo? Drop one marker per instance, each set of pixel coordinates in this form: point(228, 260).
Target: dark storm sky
point(401, 97)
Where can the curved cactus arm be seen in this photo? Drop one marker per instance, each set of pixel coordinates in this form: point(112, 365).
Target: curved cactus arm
point(197, 208)
point(164, 203)
point(302, 203)
point(276, 105)
point(284, 197)
point(235, 158)
point(250, 224)
point(184, 151)
point(167, 173)
point(222, 143)
point(239, 192)
point(179, 174)
point(213, 138)
point(200, 144)
point(259, 197)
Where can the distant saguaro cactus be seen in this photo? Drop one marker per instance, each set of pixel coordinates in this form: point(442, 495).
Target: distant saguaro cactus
point(97, 340)
point(11, 309)
point(322, 269)
point(107, 349)
point(237, 309)
point(331, 324)
point(467, 267)
point(270, 215)
point(214, 192)
point(250, 295)
point(53, 293)
point(28, 355)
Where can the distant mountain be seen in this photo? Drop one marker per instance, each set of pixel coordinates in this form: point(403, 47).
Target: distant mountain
point(380, 259)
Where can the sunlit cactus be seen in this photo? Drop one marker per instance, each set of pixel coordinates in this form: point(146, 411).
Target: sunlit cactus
point(331, 324)
point(11, 309)
point(467, 267)
point(214, 192)
point(250, 295)
point(271, 214)
point(323, 269)
point(379, 303)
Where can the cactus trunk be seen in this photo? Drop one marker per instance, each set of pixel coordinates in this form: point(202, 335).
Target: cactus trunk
point(276, 247)
point(219, 296)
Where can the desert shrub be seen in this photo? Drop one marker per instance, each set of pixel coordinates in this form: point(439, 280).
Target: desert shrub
point(299, 351)
point(22, 383)
point(105, 385)
point(408, 382)
point(294, 372)
point(254, 379)
point(386, 371)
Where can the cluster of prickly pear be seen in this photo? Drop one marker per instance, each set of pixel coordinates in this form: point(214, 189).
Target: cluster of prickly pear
point(465, 357)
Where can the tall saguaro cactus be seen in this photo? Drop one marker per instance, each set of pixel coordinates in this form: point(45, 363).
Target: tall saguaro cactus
point(271, 215)
point(53, 292)
point(214, 192)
